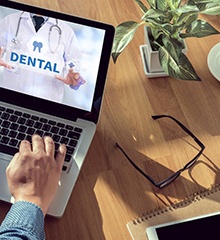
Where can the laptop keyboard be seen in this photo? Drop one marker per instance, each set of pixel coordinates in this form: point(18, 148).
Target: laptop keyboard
point(16, 126)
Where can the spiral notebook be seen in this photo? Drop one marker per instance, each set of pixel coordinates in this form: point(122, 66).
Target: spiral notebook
point(197, 204)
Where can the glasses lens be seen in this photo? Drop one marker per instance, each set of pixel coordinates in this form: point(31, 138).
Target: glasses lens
point(184, 137)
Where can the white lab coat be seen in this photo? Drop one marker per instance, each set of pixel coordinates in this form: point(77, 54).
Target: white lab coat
point(34, 83)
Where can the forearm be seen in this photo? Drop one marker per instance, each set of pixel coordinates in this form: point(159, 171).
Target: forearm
point(24, 221)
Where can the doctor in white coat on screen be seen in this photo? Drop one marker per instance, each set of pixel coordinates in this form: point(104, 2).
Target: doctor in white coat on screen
point(39, 56)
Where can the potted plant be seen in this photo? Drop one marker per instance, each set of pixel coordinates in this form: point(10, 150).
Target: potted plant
point(170, 22)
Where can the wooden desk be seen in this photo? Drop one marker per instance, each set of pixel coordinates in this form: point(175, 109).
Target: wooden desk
point(109, 192)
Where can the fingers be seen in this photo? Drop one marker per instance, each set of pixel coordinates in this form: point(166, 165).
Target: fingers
point(70, 78)
point(61, 156)
point(49, 146)
point(25, 146)
point(74, 75)
point(2, 63)
point(1, 51)
point(60, 78)
point(37, 144)
point(45, 145)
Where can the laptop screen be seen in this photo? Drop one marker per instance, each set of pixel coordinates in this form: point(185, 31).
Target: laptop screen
point(53, 62)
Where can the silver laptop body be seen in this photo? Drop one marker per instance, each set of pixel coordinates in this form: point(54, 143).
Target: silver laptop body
point(33, 100)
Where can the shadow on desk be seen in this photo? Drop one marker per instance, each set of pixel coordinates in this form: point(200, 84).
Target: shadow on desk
point(203, 173)
point(82, 218)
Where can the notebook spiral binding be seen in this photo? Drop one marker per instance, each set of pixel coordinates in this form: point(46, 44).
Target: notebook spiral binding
point(190, 199)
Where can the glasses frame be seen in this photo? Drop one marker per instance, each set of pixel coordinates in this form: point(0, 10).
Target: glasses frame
point(174, 176)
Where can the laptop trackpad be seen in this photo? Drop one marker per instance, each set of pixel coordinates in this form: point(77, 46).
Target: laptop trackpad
point(4, 191)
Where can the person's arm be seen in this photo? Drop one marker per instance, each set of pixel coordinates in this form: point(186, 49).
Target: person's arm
point(33, 176)
point(73, 79)
point(72, 54)
point(25, 220)
point(2, 63)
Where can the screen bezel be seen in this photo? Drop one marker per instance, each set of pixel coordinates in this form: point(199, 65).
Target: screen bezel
point(53, 108)
point(152, 234)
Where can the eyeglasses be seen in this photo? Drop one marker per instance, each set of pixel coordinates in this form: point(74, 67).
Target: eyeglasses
point(170, 179)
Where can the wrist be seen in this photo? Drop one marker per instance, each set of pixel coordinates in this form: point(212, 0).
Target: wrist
point(34, 200)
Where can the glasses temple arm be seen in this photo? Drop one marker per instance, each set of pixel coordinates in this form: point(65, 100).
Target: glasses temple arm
point(135, 166)
point(155, 117)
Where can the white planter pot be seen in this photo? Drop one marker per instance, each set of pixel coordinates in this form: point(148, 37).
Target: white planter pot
point(150, 57)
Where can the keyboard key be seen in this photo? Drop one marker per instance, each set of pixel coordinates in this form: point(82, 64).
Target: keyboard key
point(21, 136)
point(64, 140)
point(48, 134)
point(30, 131)
point(73, 143)
point(64, 168)
point(63, 132)
point(43, 120)
point(6, 124)
point(22, 128)
point(13, 142)
point(5, 140)
point(5, 116)
point(21, 120)
point(79, 130)
point(52, 122)
point(18, 113)
point(13, 118)
point(8, 110)
point(56, 146)
point(12, 134)
point(28, 137)
point(68, 127)
point(67, 158)
point(70, 150)
point(36, 118)
point(40, 133)
point(56, 138)
point(46, 127)
point(38, 125)
point(55, 130)
point(14, 126)
point(73, 135)
point(61, 125)
point(26, 115)
point(30, 123)
point(4, 131)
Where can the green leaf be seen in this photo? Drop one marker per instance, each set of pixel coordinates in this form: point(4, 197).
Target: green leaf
point(152, 3)
point(162, 5)
point(155, 15)
point(142, 6)
point(188, 20)
point(175, 63)
point(199, 28)
point(170, 30)
point(124, 33)
point(212, 8)
point(185, 15)
point(204, 1)
point(186, 9)
point(174, 3)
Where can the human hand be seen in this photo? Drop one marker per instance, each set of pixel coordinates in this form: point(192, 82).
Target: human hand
point(2, 63)
point(33, 173)
point(72, 78)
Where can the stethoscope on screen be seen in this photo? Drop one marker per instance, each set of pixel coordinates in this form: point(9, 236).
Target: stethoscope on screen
point(16, 41)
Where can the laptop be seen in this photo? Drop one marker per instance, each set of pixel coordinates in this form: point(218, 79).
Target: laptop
point(36, 97)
